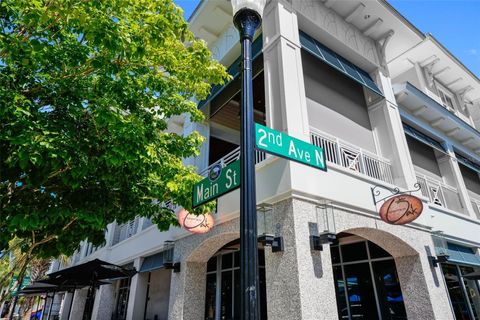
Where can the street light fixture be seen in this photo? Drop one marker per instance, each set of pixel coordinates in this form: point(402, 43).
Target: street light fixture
point(326, 227)
point(440, 247)
point(168, 256)
point(247, 17)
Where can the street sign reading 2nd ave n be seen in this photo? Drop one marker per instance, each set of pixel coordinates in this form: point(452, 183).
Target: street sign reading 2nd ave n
point(223, 180)
point(285, 146)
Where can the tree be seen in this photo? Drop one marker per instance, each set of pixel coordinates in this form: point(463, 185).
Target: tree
point(86, 89)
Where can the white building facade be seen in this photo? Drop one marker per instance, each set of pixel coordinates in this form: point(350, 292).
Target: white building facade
point(392, 108)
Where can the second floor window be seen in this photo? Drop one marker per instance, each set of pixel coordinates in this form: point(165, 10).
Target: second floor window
point(447, 97)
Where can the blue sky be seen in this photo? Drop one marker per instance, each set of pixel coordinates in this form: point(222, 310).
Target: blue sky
point(455, 23)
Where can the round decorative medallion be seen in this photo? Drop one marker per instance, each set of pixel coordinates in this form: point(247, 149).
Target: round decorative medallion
point(195, 224)
point(401, 209)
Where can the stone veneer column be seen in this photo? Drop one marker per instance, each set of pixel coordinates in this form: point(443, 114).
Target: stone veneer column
point(78, 304)
point(104, 302)
point(423, 300)
point(187, 292)
point(286, 107)
point(138, 292)
point(299, 281)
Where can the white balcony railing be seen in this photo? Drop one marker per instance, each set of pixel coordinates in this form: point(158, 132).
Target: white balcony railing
point(232, 156)
point(353, 158)
point(125, 230)
point(439, 193)
point(476, 207)
point(475, 200)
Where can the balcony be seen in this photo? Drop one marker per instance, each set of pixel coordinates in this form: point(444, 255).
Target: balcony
point(475, 200)
point(440, 194)
point(421, 106)
point(232, 157)
point(125, 231)
point(352, 158)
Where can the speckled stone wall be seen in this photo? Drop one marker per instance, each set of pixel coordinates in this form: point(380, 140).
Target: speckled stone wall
point(300, 281)
point(423, 290)
point(187, 288)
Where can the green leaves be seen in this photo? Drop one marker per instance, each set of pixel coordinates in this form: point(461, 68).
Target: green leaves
point(86, 89)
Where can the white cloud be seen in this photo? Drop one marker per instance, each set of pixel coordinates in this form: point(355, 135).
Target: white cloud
point(473, 52)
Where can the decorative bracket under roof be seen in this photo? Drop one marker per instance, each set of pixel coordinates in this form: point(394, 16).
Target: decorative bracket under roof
point(381, 50)
point(428, 68)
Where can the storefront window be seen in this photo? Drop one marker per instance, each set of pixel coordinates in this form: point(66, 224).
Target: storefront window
point(366, 282)
point(471, 288)
point(222, 298)
point(88, 309)
point(122, 299)
point(464, 293)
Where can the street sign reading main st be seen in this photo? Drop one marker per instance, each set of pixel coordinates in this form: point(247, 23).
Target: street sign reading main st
point(219, 181)
point(283, 145)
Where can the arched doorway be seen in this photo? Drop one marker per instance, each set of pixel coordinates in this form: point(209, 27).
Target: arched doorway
point(222, 294)
point(366, 281)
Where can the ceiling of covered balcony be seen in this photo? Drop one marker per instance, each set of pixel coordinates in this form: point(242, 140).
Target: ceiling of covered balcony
point(443, 66)
point(376, 19)
point(210, 19)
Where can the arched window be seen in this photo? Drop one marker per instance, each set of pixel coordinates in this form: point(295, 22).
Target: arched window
point(222, 298)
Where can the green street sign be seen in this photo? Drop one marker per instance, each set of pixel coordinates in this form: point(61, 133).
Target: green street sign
point(285, 146)
point(219, 182)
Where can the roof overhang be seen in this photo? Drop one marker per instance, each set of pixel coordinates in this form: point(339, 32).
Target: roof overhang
point(442, 65)
point(376, 20)
point(422, 107)
point(210, 19)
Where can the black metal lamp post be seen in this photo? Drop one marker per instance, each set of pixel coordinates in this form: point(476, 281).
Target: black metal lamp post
point(247, 18)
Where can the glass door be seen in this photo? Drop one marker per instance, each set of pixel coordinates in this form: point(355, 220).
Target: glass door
point(222, 297)
point(366, 282)
point(122, 299)
point(455, 291)
point(472, 291)
point(361, 295)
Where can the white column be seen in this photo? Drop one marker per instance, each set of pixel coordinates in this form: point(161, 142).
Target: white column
point(78, 304)
point(388, 130)
point(286, 107)
point(104, 302)
point(65, 309)
point(457, 179)
point(201, 162)
point(138, 293)
point(110, 234)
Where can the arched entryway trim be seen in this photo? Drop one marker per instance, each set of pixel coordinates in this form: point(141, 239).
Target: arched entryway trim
point(411, 269)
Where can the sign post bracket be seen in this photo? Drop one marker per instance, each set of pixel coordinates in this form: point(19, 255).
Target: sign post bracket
point(376, 192)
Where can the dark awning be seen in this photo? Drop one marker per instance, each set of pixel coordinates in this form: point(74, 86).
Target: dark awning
point(152, 262)
point(475, 275)
point(423, 138)
point(461, 255)
point(468, 162)
point(38, 288)
point(234, 70)
point(341, 64)
point(88, 274)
